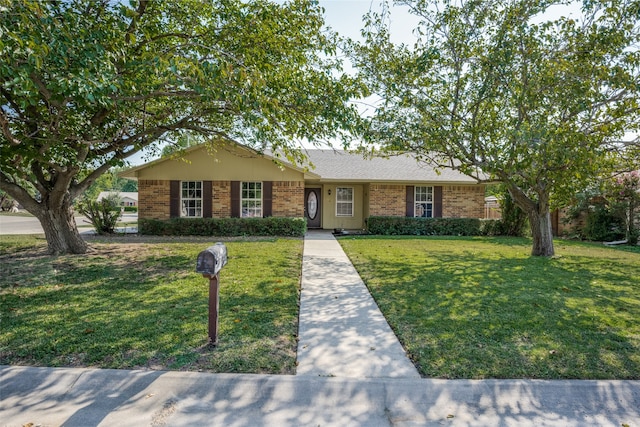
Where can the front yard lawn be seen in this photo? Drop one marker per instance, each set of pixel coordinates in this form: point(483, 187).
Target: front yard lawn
point(484, 308)
point(129, 304)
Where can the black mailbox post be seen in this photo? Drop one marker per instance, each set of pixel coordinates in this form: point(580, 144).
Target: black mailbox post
point(210, 262)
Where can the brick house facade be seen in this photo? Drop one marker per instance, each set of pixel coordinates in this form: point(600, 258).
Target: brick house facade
point(347, 188)
point(387, 200)
point(153, 199)
point(288, 199)
point(463, 201)
point(458, 201)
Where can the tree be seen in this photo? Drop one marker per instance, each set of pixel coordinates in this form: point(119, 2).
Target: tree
point(623, 193)
point(494, 90)
point(85, 84)
point(110, 181)
point(181, 143)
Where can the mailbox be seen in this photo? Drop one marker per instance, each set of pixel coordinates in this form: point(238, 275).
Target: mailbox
point(210, 262)
point(212, 259)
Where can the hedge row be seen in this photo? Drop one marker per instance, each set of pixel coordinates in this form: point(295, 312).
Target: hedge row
point(271, 226)
point(389, 225)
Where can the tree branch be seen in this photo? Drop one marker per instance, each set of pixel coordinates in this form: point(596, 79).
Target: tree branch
point(151, 95)
point(142, 6)
point(19, 193)
point(4, 123)
point(82, 186)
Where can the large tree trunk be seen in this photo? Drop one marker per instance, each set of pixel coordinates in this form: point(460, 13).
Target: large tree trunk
point(54, 206)
point(61, 230)
point(539, 218)
point(542, 233)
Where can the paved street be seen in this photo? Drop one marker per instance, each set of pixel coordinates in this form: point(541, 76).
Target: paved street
point(11, 224)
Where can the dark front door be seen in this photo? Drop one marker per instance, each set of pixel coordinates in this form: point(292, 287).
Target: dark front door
point(312, 207)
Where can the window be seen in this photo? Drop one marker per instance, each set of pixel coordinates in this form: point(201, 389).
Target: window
point(191, 199)
point(251, 199)
point(344, 201)
point(423, 202)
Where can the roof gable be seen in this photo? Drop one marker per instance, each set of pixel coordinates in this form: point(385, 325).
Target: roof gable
point(322, 165)
point(223, 161)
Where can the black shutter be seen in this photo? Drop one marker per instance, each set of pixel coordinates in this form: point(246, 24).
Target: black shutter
point(207, 190)
point(174, 199)
point(410, 201)
point(235, 199)
point(437, 202)
point(267, 196)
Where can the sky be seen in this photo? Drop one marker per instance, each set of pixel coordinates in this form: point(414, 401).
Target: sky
point(345, 17)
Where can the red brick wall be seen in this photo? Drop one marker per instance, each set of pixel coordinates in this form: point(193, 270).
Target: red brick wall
point(221, 199)
point(153, 199)
point(387, 200)
point(463, 201)
point(288, 199)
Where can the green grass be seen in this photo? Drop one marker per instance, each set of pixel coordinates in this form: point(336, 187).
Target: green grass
point(141, 305)
point(484, 308)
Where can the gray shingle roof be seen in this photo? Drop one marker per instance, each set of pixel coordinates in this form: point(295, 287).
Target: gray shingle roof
point(344, 166)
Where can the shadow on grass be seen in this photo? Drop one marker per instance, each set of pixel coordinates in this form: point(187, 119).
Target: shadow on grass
point(467, 308)
point(146, 307)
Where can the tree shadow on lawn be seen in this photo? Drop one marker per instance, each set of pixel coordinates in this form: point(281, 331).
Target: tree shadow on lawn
point(472, 315)
point(140, 311)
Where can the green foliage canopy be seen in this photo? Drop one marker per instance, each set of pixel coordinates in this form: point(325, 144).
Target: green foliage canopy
point(85, 84)
point(493, 88)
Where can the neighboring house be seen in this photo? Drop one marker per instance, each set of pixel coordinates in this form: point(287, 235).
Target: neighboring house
point(339, 190)
point(126, 198)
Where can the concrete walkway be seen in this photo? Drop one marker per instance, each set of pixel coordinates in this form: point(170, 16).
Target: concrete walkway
point(352, 372)
point(104, 397)
point(342, 332)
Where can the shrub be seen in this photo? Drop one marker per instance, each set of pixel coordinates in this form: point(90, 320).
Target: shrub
point(602, 225)
point(391, 225)
point(514, 219)
point(491, 227)
point(271, 226)
point(104, 215)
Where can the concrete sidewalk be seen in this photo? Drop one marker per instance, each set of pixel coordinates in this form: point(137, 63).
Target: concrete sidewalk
point(104, 397)
point(342, 332)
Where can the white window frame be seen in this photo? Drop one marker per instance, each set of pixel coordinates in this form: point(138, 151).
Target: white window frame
point(340, 203)
point(191, 199)
point(251, 205)
point(423, 201)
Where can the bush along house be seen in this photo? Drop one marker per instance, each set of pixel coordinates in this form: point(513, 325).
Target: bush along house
point(337, 190)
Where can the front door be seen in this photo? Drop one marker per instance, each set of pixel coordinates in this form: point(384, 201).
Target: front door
point(312, 207)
